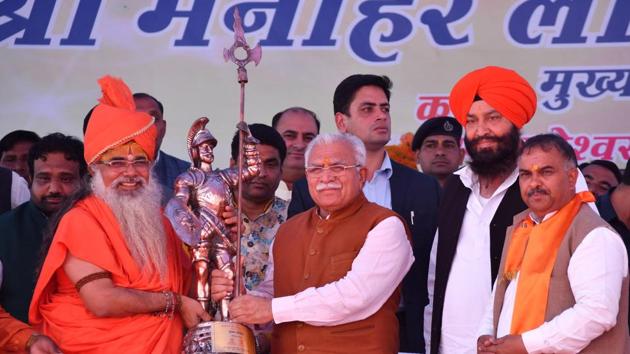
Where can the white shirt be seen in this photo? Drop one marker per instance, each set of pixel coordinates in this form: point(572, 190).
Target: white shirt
point(469, 284)
point(378, 269)
point(283, 191)
point(19, 190)
point(378, 189)
point(595, 272)
point(468, 291)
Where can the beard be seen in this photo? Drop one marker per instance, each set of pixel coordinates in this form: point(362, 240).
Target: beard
point(494, 162)
point(139, 216)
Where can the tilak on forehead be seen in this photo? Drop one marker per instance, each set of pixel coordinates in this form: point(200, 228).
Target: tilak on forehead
point(503, 89)
point(114, 123)
point(130, 149)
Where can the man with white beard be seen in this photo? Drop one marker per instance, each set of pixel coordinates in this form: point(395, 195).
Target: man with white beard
point(114, 275)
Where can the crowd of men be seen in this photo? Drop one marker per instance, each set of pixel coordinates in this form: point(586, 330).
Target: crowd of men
point(345, 250)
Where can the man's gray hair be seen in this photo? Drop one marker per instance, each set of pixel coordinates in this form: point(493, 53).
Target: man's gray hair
point(357, 146)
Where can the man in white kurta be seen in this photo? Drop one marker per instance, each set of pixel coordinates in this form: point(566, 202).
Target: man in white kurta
point(597, 267)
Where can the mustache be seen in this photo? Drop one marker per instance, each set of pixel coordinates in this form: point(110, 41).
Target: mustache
point(538, 190)
point(53, 195)
point(478, 139)
point(296, 149)
point(330, 185)
point(126, 179)
point(258, 181)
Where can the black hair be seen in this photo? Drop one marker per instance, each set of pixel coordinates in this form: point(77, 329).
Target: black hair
point(71, 147)
point(626, 174)
point(266, 135)
point(276, 117)
point(609, 165)
point(139, 95)
point(546, 142)
point(86, 120)
point(346, 90)
point(17, 136)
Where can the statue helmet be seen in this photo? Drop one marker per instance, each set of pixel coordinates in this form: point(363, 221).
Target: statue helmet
point(198, 134)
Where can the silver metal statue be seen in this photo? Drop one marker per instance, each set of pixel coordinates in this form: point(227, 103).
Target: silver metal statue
point(201, 195)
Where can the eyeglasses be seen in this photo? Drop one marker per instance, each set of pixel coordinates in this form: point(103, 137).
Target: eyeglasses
point(334, 169)
point(119, 165)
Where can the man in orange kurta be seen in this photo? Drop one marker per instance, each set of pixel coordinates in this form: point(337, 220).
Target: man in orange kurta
point(14, 334)
point(18, 337)
point(113, 278)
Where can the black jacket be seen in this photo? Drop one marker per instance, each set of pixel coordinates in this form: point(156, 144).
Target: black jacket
point(452, 210)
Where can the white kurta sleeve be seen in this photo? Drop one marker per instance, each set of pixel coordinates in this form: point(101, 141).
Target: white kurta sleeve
point(19, 190)
point(486, 327)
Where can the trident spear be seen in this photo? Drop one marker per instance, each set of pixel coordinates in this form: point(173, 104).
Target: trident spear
point(247, 54)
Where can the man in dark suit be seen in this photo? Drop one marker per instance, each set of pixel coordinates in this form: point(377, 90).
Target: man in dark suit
point(361, 104)
point(166, 167)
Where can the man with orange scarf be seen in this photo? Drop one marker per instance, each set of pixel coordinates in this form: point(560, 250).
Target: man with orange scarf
point(563, 279)
point(113, 278)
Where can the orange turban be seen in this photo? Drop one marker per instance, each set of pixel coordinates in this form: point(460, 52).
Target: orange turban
point(115, 122)
point(503, 89)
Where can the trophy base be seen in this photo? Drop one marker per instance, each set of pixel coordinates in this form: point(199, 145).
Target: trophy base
point(214, 337)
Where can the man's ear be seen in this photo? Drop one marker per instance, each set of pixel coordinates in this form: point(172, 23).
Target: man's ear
point(340, 122)
point(416, 155)
point(573, 173)
point(362, 175)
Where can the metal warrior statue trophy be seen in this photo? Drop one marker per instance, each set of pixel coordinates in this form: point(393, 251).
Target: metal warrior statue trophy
point(195, 212)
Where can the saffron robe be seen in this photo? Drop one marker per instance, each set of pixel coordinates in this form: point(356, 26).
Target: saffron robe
point(90, 231)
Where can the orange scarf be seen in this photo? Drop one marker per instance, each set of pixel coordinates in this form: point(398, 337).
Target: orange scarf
point(532, 252)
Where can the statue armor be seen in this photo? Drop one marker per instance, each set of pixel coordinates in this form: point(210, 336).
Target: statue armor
point(196, 210)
